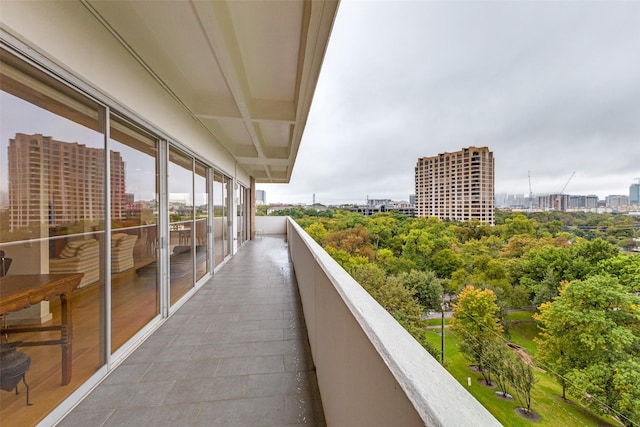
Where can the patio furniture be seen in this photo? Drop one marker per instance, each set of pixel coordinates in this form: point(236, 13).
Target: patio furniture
point(5, 263)
point(122, 252)
point(21, 291)
point(13, 367)
point(79, 256)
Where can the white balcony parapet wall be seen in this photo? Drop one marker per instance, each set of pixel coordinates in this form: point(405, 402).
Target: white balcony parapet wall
point(370, 371)
point(271, 225)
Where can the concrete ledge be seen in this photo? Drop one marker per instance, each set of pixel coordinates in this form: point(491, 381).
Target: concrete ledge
point(370, 371)
point(271, 225)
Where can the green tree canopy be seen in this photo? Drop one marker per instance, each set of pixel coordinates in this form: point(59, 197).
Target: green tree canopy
point(589, 337)
point(475, 320)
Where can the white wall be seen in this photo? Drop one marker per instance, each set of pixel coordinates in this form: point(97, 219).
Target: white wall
point(370, 371)
point(271, 224)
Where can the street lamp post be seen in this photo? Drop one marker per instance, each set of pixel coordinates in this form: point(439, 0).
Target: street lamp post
point(442, 330)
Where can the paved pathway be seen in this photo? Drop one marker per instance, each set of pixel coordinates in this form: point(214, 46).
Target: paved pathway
point(236, 354)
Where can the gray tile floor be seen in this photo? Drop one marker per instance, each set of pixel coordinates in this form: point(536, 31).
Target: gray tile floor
point(236, 354)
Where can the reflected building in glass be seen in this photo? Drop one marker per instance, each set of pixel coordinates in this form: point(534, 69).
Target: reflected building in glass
point(59, 183)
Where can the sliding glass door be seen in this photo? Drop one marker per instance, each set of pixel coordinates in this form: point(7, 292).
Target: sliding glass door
point(134, 230)
point(181, 215)
point(201, 235)
point(52, 236)
point(221, 218)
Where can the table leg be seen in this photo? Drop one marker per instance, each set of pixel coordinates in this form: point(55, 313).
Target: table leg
point(66, 334)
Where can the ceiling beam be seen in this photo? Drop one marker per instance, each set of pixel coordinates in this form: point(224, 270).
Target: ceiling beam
point(217, 26)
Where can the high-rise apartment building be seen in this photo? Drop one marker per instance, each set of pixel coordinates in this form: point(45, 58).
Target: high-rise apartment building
point(634, 194)
point(261, 197)
point(458, 186)
point(616, 200)
point(63, 184)
point(554, 202)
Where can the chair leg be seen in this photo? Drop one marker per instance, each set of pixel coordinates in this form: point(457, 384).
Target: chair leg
point(24, 380)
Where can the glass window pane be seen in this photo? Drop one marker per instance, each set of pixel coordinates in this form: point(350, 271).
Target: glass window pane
point(134, 238)
point(220, 231)
point(52, 197)
point(202, 216)
point(180, 184)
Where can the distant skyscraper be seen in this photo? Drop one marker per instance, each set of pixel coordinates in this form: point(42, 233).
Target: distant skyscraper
point(261, 197)
point(616, 200)
point(591, 201)
point(457, 186)
point(634, 194)
point(554, 202)
point(64, 182)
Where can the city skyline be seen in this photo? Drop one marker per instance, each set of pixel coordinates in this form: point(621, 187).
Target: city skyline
point(550, 87)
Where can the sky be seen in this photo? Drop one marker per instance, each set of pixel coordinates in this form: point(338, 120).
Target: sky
point(551, 87)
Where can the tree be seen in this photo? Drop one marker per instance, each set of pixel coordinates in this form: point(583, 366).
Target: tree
point(624, 267)
point(317, 231)
point(523, 381)
point(611, 388)
point(382, 227)
point(519, 224)
point(501, 361)
point(345, 259)
point(589, 337)
point(425, 287)
point(353, 240)
point(476, 323)
point(395, 298)
point(393, 264)
point(445, 262)
point(547, 289)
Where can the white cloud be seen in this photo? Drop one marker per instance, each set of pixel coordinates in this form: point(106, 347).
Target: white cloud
point(550, 87)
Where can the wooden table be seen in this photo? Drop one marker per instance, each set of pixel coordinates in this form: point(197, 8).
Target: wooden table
point(21, 291)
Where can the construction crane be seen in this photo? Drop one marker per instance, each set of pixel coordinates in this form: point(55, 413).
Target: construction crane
point(530, 192)
point(569, 180)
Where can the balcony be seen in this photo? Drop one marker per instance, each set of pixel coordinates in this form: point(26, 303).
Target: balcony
point(260, 345)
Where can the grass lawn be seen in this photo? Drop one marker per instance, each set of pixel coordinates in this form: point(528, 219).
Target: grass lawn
point(438, 322)
point(520, 315)
point(523, 335)
point(552, 410)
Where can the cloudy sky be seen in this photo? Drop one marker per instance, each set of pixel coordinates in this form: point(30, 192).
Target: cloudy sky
point(550, 87)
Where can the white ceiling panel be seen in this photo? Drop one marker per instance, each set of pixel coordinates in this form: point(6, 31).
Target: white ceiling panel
point(246, 70)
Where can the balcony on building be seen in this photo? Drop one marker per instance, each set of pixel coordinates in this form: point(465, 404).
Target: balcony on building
point(134, 135)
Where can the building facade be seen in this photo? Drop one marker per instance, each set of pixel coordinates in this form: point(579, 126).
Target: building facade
point(457, 186)
point(261, 197)
point(617, 200)
point(63, 183)
point(554, 202)
point(634, 194)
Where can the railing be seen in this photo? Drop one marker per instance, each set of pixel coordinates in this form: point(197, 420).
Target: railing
point(370, 371)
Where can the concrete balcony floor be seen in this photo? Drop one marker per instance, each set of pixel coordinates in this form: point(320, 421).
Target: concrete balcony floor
point(236, 354)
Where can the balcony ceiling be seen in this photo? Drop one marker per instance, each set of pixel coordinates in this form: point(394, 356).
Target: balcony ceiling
point(246, 70)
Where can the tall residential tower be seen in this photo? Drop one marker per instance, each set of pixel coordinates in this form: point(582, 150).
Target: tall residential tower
point(634, 193)
point(55, 182)
point(458, 186)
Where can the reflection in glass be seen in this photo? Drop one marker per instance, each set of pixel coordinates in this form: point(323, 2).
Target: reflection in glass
point(134, 237)
point(180, 185)
point(52, 212)
point(242, 214)
point(202, 214)
point(228, 211)
point(220, 223)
